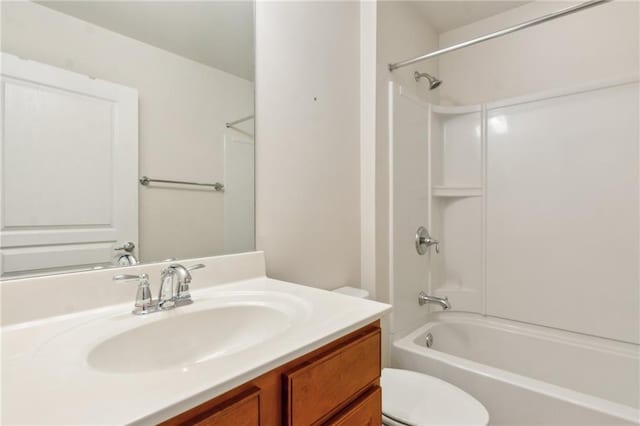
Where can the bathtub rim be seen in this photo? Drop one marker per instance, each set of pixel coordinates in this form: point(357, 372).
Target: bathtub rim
point(601, 405)
point(611, 346)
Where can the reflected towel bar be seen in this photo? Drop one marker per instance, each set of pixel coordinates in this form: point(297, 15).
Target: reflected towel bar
point(144, 180)
point(242, 120)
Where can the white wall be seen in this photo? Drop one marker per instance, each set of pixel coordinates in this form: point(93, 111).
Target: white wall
point(240, 194)
point(402, 33)
point(183, 108)
point(593, 44)
point(368, 65)
point(307, 148)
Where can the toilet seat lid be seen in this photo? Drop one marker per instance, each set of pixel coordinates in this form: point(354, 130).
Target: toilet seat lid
point(418, 399)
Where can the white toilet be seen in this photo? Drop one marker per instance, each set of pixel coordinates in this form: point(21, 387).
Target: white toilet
point(415, 399)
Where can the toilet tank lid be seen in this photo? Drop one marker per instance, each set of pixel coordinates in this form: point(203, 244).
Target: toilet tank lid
point(353, 291)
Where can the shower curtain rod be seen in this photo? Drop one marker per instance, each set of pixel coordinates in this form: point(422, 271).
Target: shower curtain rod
point(563, 12)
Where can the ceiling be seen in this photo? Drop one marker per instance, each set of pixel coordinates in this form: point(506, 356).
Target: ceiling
point(215, 33)
point(447, 15)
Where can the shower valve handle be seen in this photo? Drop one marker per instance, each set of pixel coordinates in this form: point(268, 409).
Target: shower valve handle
point(424, 241)
point(431, 242)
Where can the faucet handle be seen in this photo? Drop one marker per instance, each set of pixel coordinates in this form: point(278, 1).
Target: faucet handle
point(144, 300)
point(129, 246)
point(196, 266)
point(431, 242)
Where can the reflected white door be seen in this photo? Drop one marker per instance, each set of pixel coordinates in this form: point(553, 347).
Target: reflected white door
point(69, 190)
point(239, 207)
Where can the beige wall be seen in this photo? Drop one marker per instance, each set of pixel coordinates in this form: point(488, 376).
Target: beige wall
point(402, 33)
point(183, 108)
point(594, 44)
point(307, 148)
point(368, 65)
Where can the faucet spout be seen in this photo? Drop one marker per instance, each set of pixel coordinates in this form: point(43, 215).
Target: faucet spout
point(443, 302)
point(175, 293)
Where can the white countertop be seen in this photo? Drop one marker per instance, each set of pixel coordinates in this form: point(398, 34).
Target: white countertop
point(46, 378)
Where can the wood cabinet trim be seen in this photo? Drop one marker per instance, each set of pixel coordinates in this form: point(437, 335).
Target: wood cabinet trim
point(215, 406)
point(368, 405)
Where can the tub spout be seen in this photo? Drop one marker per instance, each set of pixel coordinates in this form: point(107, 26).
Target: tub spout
point(442, 301)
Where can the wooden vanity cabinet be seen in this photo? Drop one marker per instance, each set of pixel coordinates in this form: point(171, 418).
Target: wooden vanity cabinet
point(337, 384)
point(365, 410)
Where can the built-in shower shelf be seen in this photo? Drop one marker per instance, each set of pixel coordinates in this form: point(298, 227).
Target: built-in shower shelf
point(456, 191)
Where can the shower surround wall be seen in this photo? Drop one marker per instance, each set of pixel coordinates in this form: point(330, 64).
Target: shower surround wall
point(562, 212)
point(598, 44)
point(401, 32)
point(535, 201)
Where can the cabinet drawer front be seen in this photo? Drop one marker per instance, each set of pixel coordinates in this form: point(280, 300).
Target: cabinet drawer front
point(242, 410)
point(366, 411)
point(320, 386)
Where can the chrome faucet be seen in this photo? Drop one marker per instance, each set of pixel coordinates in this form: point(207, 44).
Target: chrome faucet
point(144, 301)
point(442, 301)
point(171, 295)
point(125, 254)
point(174, 285)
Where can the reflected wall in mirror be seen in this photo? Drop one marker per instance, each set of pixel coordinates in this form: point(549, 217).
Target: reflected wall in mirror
point(97, 95)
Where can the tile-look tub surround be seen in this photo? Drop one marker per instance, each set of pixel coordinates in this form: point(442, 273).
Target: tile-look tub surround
point(34, 298)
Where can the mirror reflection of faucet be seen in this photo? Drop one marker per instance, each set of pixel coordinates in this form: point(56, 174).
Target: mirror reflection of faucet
point(124, 254)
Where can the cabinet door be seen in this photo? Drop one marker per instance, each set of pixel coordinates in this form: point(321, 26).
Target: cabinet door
point(322, 386)
point(365, 411)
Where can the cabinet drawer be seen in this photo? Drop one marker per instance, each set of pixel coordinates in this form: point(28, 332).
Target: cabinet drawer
point(365, 411)
point(241, 410)
point(324, 384)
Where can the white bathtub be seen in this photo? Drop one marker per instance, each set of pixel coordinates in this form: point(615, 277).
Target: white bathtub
point(528, 375)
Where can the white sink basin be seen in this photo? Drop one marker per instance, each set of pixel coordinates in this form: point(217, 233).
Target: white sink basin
point(188, 339)
point(87, 359)
point(210, 329)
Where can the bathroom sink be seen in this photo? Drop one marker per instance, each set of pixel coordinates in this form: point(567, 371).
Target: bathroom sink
point(188, 339)
point(180, 339)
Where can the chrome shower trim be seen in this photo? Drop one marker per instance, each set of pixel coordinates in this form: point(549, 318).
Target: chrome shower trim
point(434, 82)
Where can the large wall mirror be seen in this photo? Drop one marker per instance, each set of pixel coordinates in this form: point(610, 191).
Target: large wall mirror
point(127, 133)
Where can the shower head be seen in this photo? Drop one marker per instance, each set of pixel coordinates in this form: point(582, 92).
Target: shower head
point(433, 81)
